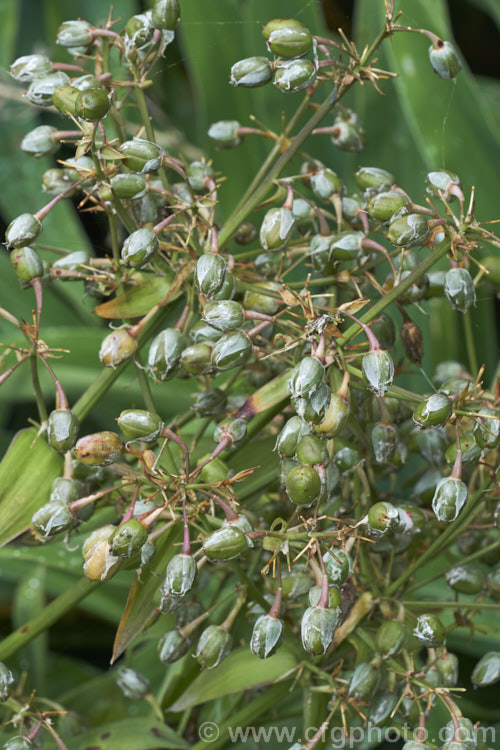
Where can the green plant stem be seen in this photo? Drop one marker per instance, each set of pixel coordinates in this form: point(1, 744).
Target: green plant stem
point(470, 344)
point(448, 605)
point(115, 245)
point(395, 391)
point(42, 409)
point(47, 617)
point(144, 385)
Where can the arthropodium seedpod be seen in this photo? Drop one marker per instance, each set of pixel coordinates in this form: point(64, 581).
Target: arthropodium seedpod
point(213, 646)
point(22, 230)
point(62, 429)
point(99, 449)
point(374, 179)
point(140, 247)
point(294, 75)
point(52, 518)
point(210, 273)
point(18, 743)
point(487, 429)
point(320, 251)
point(74, 34)
point(172, 646)
point(209, 403)
point(39, 141)
point(466, 579)
point(440, 182)
point(92, 104)
point(267, 636)
point(378, 371)
point(429, 631)
point(444, 60)
point(459, 289)
point(290, 41)
point(128, 186)
point(433, 411)
point(382, 517)
point(291, 432)
point(26, 264)
point(166, 14)
point(383, 439)
point(408, 231)
point(224, 134)
point(391, 638)
point(311, 450)
point(251, 72)
point(487, 670)
point(303, 485)
point(117, 347)
point(324, 183)
point(139, 424)
point(29, 67)
point(338, 566)
point(364, 681)
point(447, 666)
point(231, 350)
point(277, 228)
point(128, 538)
point(165, 354)
point(99, 564)
point(180, 575)
point(225, 544)
point(384, 206)
point(6, 680)
point(41, 90)
point(199, 174)
point(132, 684)
point(318, 627)
point(306, 377)
point(224, 315)
point(139, 30)
point(141, 155)
point(334, 597)
point(449, 498)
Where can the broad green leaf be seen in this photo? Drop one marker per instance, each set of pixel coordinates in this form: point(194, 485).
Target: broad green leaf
point(29, 600)
point(130, 734)
point(140, 604)
point(241, 670)
point(26, 475)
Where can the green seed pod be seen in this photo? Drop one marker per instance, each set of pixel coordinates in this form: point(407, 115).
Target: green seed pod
point(267, 636)
point(128, 186)
point(215, 471)
point(18, 743)
point(139, 424)
point(378, 371)
point(245, 234)
point(440, 182)
point(382, 517)
point(213, 646)
point(302, 212)
point(210, 403)
point(384, 329)
point(261, 302)
point(234, 428)
point(269, 264)
point(132, 684)
point(487, 670)
point(92, 105)
point(338, 566)
point(303, 485)
point(334, 597)
point(228, 288)
point(317, 629)
point(231, 350)
point(148, 551)
point(6, 680)
point(449, 498)
point(314, 409)
point(64, 99)
point(82, 83)
point(290, 41)
point(140, 247)
point(325, 183)
point(26, 264)
point(492, 581)
point(459, 289)
point(242, 523)
point(311, 450)
point(62, 429)
point(39, 141)
point(29, 67)
point(433, 411)
point(99, 564)
point(51, 519)
point(41, 90)
point(168, 602)
point(128, 538)
point(385, 206)
point(166, 14)
point(447, 666)
point(117, 347)
point(487, 429)
point(224, 134)
point(225, 315)
point(251, 72)
point(141, 155)
point(408, 231)
point(346, 245)
point(351, 205)
point(22, 230)
point(280, 23)
point(374, 179)
point(56, 181)
point(431, 445)
point(465, 579)
point(196, 359)
point(99, 449)
point(383, 439)
point(454, 387)
point(164, 354)
point(294, 75)
point(466, 739)
point(74, 34)
point(320, 252)
point(64, 490)
point(225, 544)
point(81, 167)
point(202, 333)
point(391, 638)
point(347, 457)
point(139, 30)
point(348, 137)
point(444, 60)
point(181, 572)
point(306, 377)
point(209, 274)
point(277, 228)
point(381, 708)
point(198, 174)
point(291, 432)
point(364, 682)
point(172, 647)
point(429, 631)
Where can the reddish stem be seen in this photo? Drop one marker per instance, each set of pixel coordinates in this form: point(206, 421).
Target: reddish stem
point(61, 400)
point(9, 372)
point(457, 466)
point(372, 339)
point(229, 512)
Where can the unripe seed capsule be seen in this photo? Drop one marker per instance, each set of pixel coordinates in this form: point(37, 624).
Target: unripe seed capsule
point(440, 182)
point(373, 178)
point(141, 155)
point(311, 450)
point(384, 206)
point(261, 302)
point(196, 359)
point(317, 629)
point(348, 137)
point(303, 485)
point(139, 30)
point(291, 432)
point(429, 631)
point(382, 517)
point(364, 682)
point(18, 743)
point(74, 34)
point(172, 647)
point(447, 666)
point(215, 471)
point(277, 228)
point(449, 498)
point(39, 142)
point(433, 411)
point(231, 350)
point(26, 264)
point(209, 403)
point(22, 230)
point(325, 183)
point(384, 330)
point(251, 72)
point(306, 377)
point(466, 579)
point(444, 60)
point(92, 105)
point(29, 67)
point(117, 347)
point(267, 636)
point(64, 490)
point(280, 23)
point(225, 544)
point(166, 14)
point(131, 185)
point(338, 566)
point(320, 252)
point(128, 538)
point(165, 354)
point(210, 273)
point(199, 174)
point(224, 134)
point(346, 245)
point(487, 670)
point(391, 638)
point(41, 90)
point(378, 371)
point(62, 429)
point(140, 247)
point(294, 75)
point(236, 429)
point(290, 41)
point(408, 231)
point(64, 99)
point(213, 646)
point(132, 684)
point(225, 315)
point(6, 680)
point(139, 424)
point(383, 439)
point(334, 597)
point(487, 429)
point(52, 518)
point(180, 575)
point(99, 449)
point(99, 564)
point(459, 289)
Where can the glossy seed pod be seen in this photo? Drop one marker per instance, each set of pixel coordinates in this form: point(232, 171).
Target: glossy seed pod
point(224, 134)
point(454, 387)
point(209, 274)
point(382, 517)
point(39, 141)
point(52, 518)
point(487, 670)
point(139, 424)
point(199, 175)
point(209, 403)
point(381, 708)
point(487, 429)
point(172, 646)
point(449, 498)
point(267, 636)
point(317, 629)
point(117, 347)
point(294, 75)
point(431, 445)
point(165, 354)
point(92, 104)
point(391, 638)
point(348, 137)
point(346, 245)
point(132, 684)
point(180, 575)
point(433, 411)
point(62, 429)
point(364, 682)
point(444, 60)
point(99, 564)
point(29, 67)
point(22, 230)
point(18, 743)
point(251, 72)
point(338, 566)
point(55, 182)
point(374, 179)
point(141, 155)
point(408, 231)
point(26, 264)
point(226, 315)
point(128, 186)
point(440, 182)
point(324, 183)
point(290, 41)
point(459, 289)
point(236, 429)
point(64, 99)
point(334, 597)
point(465, 579)
point(378, 371)
point(231, 350)
point(277, 228)
point(139, 30)
point(260, 299)
point(303, 485)
point(225, 544)
point(302, 212)
point(335, 418)
point(280, 23)
point(166, 14)
point(291, 432)
point(384, 206)
point(82, 83)
point(65, 490)
point(213, 646)
point(320, 253)
point(40, 91)
point(99, 448)
point(243, 523)
point(384, 329)
point(429, 631)
point(447, 666)
point(311, 450)
point(74, 34)
point(306, 377)
point(347, 457)
point(128, 538)
point(383, 439)
point(140, 247)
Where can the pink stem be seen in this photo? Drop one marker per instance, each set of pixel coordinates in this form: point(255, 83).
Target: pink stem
point(159, 227)
point(289, 198)
point(230, 514)
point(372, 339)
point(37, 288)
point(457, 466)
point(367, 243)
point(9, 372)
point(61, 400)
point(67, 66)
point(130, 512)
